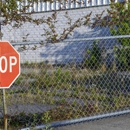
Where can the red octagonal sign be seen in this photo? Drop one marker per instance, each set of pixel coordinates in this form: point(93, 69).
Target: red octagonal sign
point(9, 64)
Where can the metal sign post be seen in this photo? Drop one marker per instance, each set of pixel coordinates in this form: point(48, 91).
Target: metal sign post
point(3, 90)
point(5, 110)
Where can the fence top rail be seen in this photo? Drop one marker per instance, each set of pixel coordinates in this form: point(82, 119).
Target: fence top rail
point(72, 40)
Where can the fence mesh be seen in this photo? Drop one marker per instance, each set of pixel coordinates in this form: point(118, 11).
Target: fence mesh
point(85, 75)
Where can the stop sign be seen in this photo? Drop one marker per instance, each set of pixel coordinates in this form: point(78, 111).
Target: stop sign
point(9, 64)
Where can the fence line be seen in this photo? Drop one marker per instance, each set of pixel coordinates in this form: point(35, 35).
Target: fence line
point(57, 5)
point(85, 77)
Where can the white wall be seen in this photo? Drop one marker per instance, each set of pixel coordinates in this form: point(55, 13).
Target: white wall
point(60, 52)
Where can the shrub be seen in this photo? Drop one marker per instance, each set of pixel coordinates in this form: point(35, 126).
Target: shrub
point(121, 26)
point(94, 56)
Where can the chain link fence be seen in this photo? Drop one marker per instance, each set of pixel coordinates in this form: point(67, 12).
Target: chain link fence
point(84, 75)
